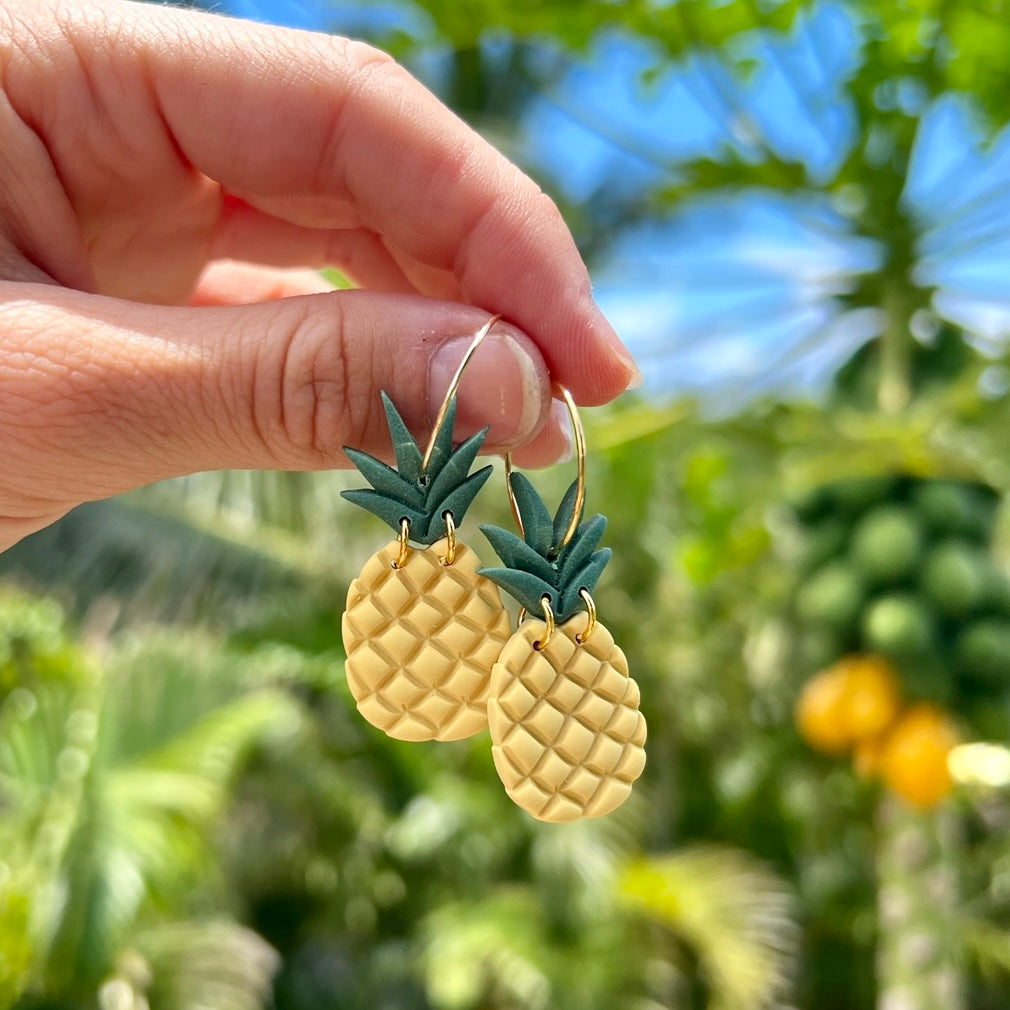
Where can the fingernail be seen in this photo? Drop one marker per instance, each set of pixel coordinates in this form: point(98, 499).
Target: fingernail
point(619, 350)
point(622, 352)
point(501, 386)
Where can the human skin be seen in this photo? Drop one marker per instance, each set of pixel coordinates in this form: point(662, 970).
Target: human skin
point(168, 181)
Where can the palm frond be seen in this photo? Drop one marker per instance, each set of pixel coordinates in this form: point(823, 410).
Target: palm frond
point(987, 944)
point(187, 776)
point(732, 911)
point(576, 867)
point(164, 555)
point(497, 946)
point(18, 958)
point(109, 787)
point(196, 965)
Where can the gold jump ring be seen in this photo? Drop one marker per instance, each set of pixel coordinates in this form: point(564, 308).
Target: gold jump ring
point(403, 539)
point(450, 536)
point(545, 603)
point(590, 618)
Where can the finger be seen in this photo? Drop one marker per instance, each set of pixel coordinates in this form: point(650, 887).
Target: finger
point(301, 125)
point(552, 444)
point(99, 395)
point(226, 282)
point(247, 234)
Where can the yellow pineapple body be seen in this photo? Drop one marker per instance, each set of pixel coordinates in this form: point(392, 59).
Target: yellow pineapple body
point(421, 641)
point(567, 736)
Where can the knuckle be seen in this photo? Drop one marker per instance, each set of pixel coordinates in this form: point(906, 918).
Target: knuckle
point(364, 71)
point(363, 57)
point(547, 210)
point(301, 403)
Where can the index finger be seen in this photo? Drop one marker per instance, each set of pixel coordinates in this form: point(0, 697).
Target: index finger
point(311, 123)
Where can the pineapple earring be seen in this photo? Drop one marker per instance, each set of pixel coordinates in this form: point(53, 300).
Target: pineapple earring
point(421, 628)
point(567, 736)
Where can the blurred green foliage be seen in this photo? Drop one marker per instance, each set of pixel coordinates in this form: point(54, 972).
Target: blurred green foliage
point(215, 776)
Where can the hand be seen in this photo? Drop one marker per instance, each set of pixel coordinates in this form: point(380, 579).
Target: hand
point(161, 174)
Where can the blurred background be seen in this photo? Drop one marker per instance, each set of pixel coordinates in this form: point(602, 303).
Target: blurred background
point(798, 216)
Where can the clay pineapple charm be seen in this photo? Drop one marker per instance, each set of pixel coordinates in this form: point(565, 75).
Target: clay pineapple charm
point(567, 736)
point(422, 628)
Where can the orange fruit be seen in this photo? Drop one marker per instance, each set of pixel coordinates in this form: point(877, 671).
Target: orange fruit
point(819, 711)
point(855, 699)
point(913, 761)
point(873, 697)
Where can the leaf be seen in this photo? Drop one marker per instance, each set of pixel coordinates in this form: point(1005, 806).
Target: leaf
point(734, 912)
point(585, 541)
point(442, 451)
point(390, 512)
point(571, 603)
point(408, 455)
point(143, 822)
point(563, 516)
point(527, 589)
point(538, 527)
point(385, 480)
point(218, 964)
point(187, 776)
point(104, 890)
point(32, 737)
point(456, 469)
point(457, 503)
point(516, 553)
point(987, 944)
point(500, 942)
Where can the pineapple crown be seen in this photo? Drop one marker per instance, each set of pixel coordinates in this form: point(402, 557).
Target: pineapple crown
point(537, 564)
point(421, 498)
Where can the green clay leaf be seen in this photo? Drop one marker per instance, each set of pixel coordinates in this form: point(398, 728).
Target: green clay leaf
point(389, 511)
point(455, 471)
point(408, 455)
point(526, 588)
point(385, 479)
point(563, 516)
point(571, 603)
point(538, 527)
point(457, 502)
point(516, 553)
point(442, 451)
point(586, 540)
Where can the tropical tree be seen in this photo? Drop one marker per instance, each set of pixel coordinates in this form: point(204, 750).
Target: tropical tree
point(112, 770)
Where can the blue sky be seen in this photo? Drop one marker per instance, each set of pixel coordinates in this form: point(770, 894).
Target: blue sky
point(727, 293)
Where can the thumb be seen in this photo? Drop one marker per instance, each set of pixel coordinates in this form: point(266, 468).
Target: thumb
point(98, 395)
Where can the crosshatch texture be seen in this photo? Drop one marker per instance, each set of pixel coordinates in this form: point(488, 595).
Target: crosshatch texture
point(421, 641)
point(567, 736)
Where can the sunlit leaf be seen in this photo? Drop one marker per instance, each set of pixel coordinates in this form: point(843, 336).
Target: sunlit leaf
point(735, 914)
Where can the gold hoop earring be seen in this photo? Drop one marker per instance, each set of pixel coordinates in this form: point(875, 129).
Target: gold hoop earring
point(567, 736)
point(421, 628)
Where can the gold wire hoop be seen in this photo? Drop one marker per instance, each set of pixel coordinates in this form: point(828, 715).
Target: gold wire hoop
point(478, 339)
point(579, 438)
point(450, 536)
point(403, 539)
point(541, 643)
